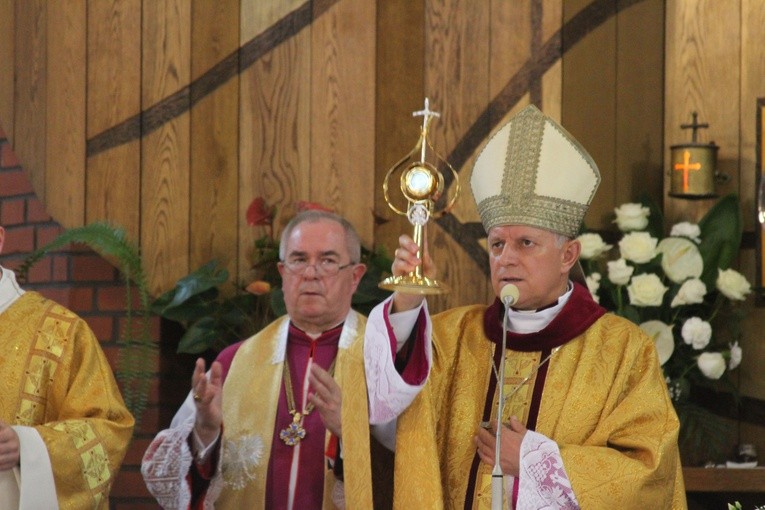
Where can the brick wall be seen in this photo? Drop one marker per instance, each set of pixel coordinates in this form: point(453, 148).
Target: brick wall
point(81, 280)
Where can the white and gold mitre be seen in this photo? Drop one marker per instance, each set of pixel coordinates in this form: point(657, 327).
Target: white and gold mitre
point(533, 172)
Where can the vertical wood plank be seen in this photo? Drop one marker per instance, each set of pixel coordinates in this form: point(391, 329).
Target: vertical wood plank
point(165, 152)
point(703, 38)
point(752, 87)
point(258, 15)
point(457, 81)
point(639, 156)
point(114, 95)
point(589, 105)
point(30, 92)
point(65, 135)
point(214, 139)
point(274, 142)
point(552, 82)
point(7, 65)
point(399, 92)
point(342, 112)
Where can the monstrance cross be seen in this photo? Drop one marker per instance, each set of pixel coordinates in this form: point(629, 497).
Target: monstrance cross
point(426, 114)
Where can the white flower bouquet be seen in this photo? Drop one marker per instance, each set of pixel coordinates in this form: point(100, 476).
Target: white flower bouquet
point(678, 288)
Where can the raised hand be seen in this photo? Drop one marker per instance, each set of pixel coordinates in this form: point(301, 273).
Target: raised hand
point(405, 262)
point(207, 399)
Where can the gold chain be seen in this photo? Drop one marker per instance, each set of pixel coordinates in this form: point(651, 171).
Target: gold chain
point(295, 431)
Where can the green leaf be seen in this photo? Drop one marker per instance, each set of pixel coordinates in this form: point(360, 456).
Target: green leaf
point(721, 230)
point(207, 277)
point(277, 302)
point(193, 308)
point(199, 337)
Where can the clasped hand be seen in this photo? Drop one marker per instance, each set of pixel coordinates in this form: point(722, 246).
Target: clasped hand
point(510, 445)
point(10, 448)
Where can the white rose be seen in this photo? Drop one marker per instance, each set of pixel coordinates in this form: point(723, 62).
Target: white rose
point(646, 290)
point(619, 272)
point(685, 229)
point(736, 354)
point(696, 332)
point(711, 364)
point(691, 292)
point(639, 247)
point(662, 337)
point(631, 217)
point(733, 284)
point(592, 246)
point(680, 259)
point(593, 284)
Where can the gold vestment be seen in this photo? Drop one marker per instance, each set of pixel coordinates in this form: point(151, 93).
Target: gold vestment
point(57, 380)
point(604, 402)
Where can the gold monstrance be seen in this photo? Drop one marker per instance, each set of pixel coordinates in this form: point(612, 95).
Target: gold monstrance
point(422, 185)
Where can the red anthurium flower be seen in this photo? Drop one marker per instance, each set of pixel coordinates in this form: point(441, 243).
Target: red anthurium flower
point(258, 213)
point(303, 205)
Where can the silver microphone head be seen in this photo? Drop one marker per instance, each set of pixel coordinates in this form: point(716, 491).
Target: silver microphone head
point(509, 295)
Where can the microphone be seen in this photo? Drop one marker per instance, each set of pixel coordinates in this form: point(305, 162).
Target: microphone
point(509, 295)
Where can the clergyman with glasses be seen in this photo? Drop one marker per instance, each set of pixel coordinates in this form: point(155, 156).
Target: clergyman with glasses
point(264, 427)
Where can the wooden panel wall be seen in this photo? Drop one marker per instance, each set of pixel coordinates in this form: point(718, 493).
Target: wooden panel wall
point(214, 165)
point(166, 47)
point(113, 180)
point(613, 101)
point(7, 61)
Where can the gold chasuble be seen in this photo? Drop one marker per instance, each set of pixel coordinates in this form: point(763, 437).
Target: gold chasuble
point(601, 397)
point(249, 428)
point(57, 380)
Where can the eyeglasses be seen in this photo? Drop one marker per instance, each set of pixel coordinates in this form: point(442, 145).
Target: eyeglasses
point(324, 267)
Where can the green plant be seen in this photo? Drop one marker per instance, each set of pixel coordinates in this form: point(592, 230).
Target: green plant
point(679, 289)
point(213, 320)
point(136, 345)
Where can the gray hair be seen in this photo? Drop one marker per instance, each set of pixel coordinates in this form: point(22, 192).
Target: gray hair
point(352, 242)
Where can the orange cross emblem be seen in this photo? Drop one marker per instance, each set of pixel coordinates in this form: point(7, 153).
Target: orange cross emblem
point(685, 167)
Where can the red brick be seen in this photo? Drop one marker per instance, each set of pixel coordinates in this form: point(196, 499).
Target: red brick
point(135, 453)
point(133, 504)
point(81, 299)
point(46, 234)
point(14, 183)
point(102, 326)
point(36, 211)
point(7, 156)
point(92, 267)
point(11, 212)
point(41, 271)
point(60, 296)
point(149, 422)
point(19, 240)
point(114, 298)
point(129, 483)
point(60, 268)
point(112, 353)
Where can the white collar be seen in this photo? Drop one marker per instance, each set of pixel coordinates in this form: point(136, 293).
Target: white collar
point(9, 289)
point(531, 321)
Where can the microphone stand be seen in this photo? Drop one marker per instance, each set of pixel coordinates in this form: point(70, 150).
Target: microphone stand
point(508, 295)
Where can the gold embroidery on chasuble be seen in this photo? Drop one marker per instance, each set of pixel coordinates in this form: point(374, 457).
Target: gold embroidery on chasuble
point(49, 344)
point(518, 366)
